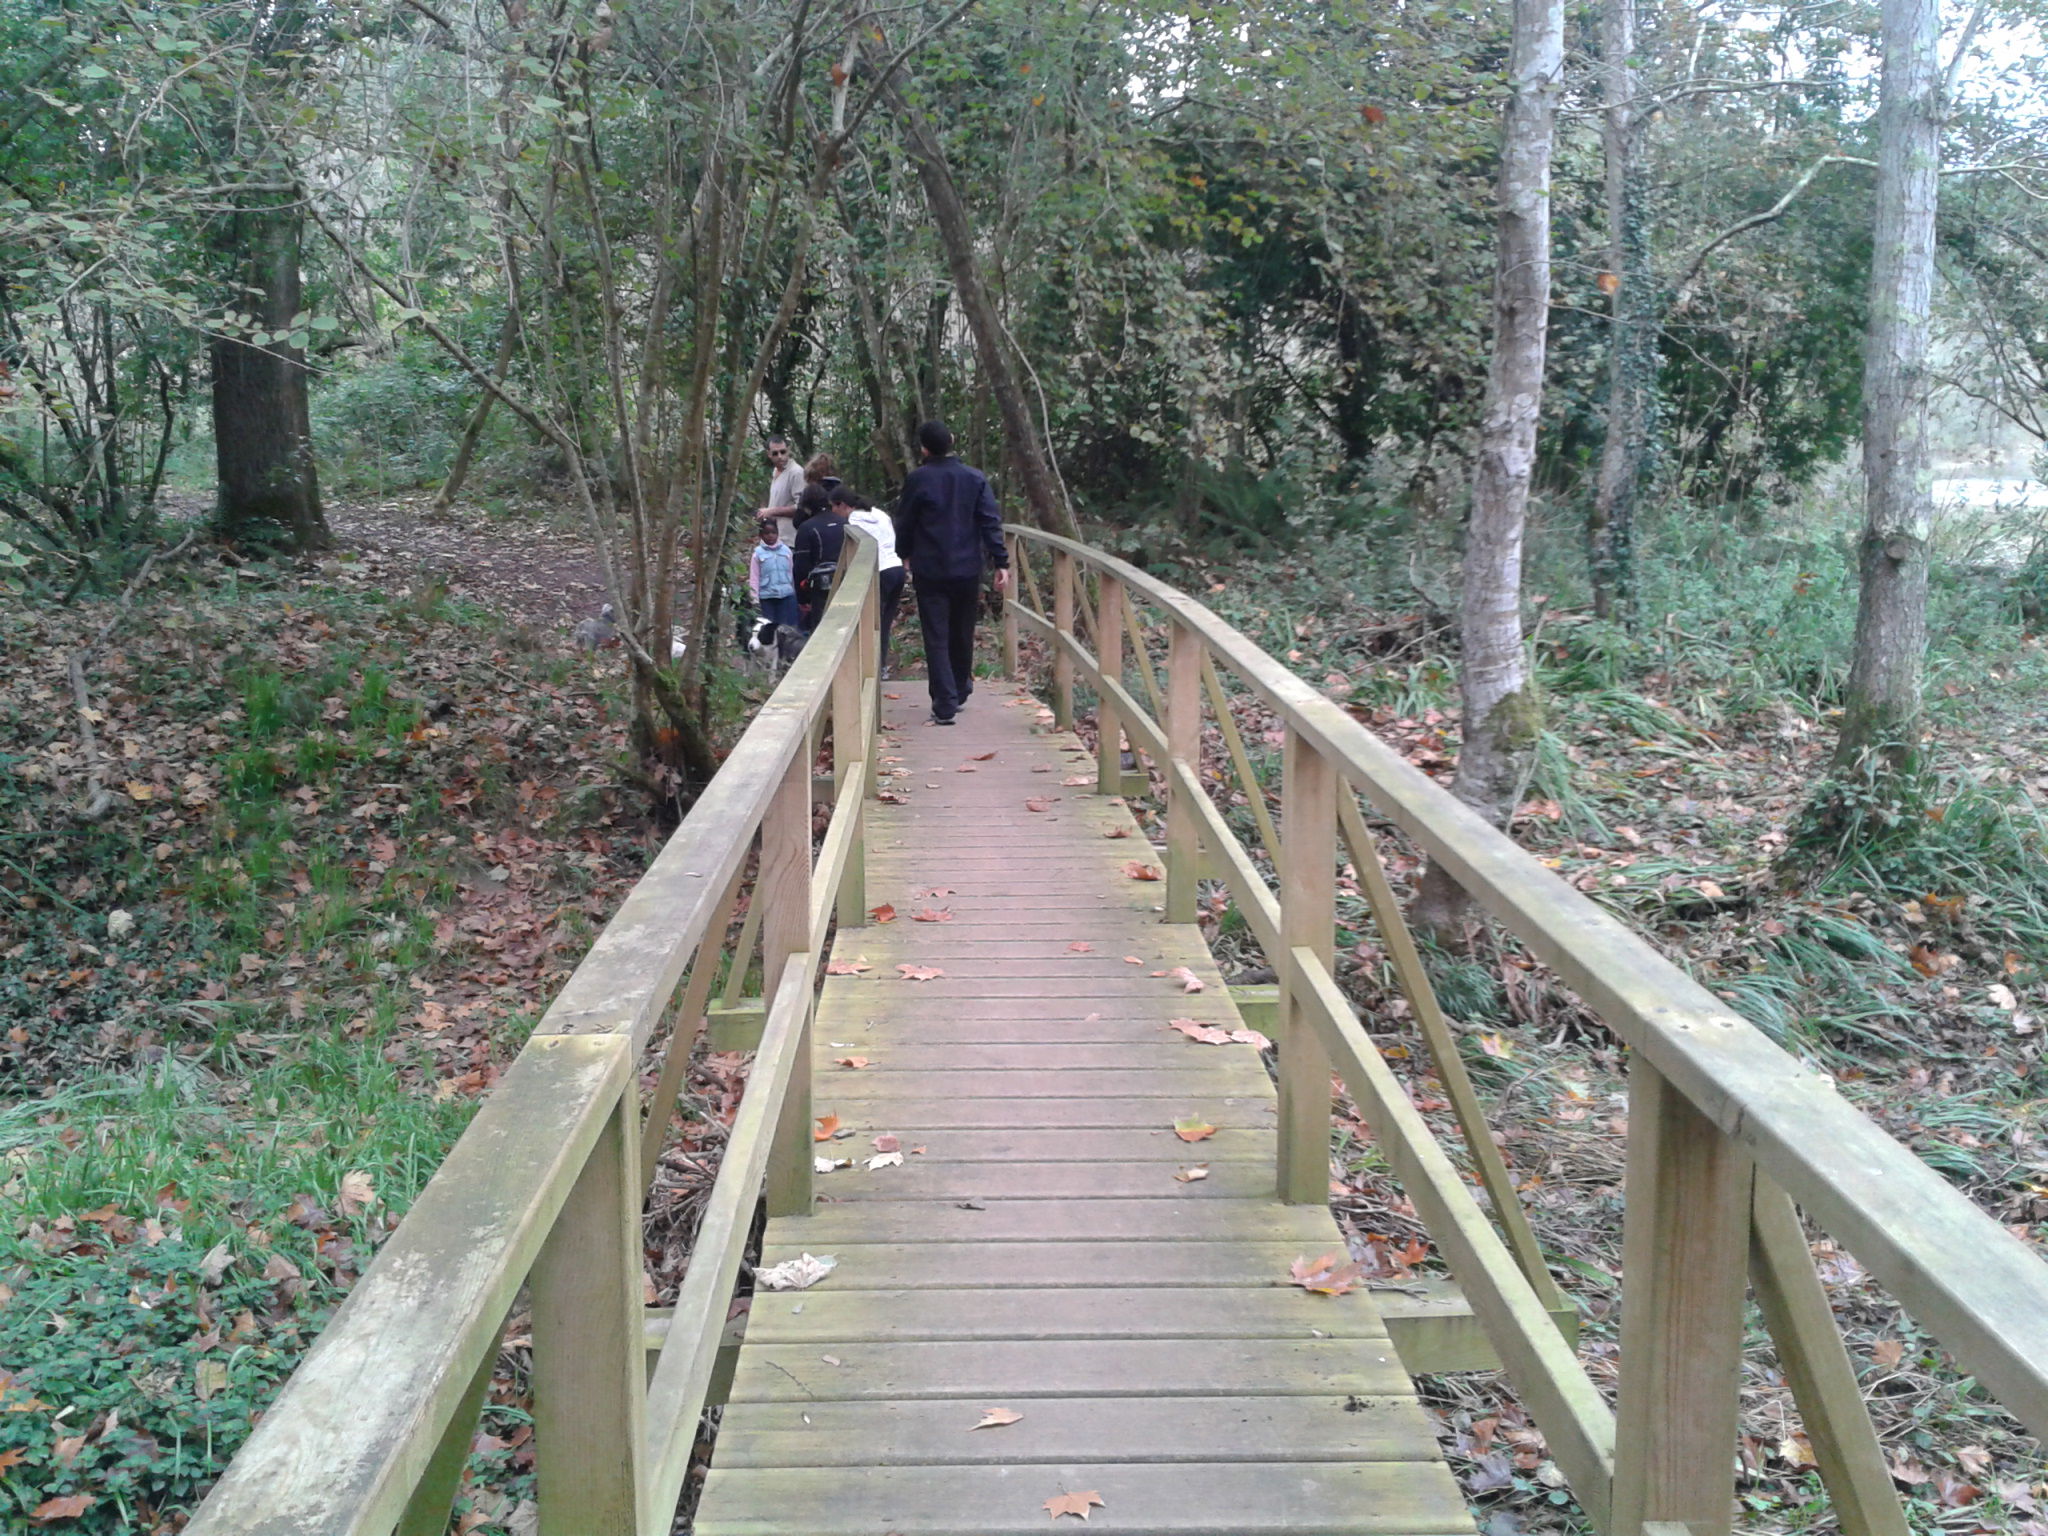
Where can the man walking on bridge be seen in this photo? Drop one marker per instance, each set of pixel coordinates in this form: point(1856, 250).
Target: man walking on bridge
point(947, 531)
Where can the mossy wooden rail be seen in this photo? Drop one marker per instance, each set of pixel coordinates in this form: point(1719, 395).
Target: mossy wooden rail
point(538, 1207)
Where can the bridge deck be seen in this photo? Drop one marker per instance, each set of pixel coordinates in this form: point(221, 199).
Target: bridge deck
point(1035, 1252)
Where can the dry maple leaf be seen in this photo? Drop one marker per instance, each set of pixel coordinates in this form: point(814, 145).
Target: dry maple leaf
point(71, 1505)
point(847, 967)
point(1195, 1029)
point(1138, 871)
point(1041, 803)
point(357, 1193)
point(1330, 1275)
point(888, 1143)
point(1075, 1504)
point(1116, 831)
point(882, 914)
point(1194, 1175)
point(828, 1127)
point(981, 757)
point(932, 915)
point(856, 1063)
point(1079, 948)
point(1250, 1037)
point(1193, 1129)
point(996, 1418)
point(920, 972)
point(1189, 981)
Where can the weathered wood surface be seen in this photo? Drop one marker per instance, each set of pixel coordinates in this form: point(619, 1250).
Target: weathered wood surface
point(1038, 1253)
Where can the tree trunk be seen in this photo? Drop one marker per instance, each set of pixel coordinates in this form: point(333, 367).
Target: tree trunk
point(1632, 334)
point(1881, 712)
point(263, 439)
point(473, 430)
point(1021, 442)
point(1502, 714)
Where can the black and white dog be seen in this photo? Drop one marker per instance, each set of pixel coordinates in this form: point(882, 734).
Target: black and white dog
point(773, 644)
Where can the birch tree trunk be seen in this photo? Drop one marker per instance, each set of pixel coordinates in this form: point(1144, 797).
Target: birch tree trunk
point(1881, 713)
point(1631, 338)
point(1501, 712)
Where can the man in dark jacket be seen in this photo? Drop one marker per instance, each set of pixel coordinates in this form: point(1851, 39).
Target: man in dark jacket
point(819, 544)
point(947, 530)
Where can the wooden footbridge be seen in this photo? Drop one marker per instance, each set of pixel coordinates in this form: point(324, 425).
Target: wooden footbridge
point(1050, 1235)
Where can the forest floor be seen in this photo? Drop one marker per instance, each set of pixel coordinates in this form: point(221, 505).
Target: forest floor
point(369, 814)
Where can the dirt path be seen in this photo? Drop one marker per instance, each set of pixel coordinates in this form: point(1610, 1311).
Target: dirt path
point(538, 573)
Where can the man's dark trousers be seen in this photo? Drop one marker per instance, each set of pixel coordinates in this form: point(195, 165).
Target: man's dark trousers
point(946, 610)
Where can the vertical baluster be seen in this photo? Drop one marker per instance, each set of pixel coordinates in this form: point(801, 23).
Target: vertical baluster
point(589, 1343)
point(1109, 727)
point(1062, 659)
point(783, 892)
point(1308, 908)
point(675, 1060)
point(1010, 600)
point(1184, 746)
point(1685, 1247)
point(871, 677)
point(849, 754)
point(432, 1503)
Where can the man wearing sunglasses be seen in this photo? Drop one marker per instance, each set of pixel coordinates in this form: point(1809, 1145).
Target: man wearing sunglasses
point(784, 489)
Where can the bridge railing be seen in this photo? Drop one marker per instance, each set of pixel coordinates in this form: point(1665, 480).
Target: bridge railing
point(538, 1206)
point(1726, 1130)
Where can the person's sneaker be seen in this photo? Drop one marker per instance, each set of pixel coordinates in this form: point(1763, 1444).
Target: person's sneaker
point(942, 719)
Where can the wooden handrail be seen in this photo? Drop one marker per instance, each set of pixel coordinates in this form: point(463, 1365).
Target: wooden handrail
point(1733, 1098)
point(546, 1185)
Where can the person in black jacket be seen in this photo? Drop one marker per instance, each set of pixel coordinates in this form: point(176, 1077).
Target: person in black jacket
point(819, 544)
point(947, 531)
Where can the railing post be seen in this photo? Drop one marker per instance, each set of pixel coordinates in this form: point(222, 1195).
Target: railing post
point(1685, 1251)
point(1184, 746)
point(1109, 728)
point(850, 751)
point(589, 1344)
point(871, 681)
point(1063, 622)
point(783, 893)
point(1308, 908)
point(1011, 598)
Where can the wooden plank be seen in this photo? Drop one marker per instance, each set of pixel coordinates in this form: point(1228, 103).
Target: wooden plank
point(825, 1317)
point(783, 892)
point(925, 1178)
point(910, 1051)
point(1223, 1499)
point(1155, 1144)
point(1035, 1221)
point(1028, 1368)
point(1026, 1266)
point(1184, 747)
point(340, 1449)
point(1308, 906)
point(1816, 1365)
point(1685, 1245)
point(1226, 1072)
point(1044, 1114)
point(1177, 1429)
point(589, 1373)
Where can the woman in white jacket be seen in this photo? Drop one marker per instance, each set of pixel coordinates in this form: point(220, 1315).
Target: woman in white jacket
point(875, 524)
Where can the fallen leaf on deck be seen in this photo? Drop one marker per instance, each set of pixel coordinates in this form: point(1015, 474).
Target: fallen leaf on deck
point(847, 967)
point(932, 915)
point(882, 914)
point(1250, 1037)
point(1195, 1029)
point(828, 1164)
point(996, 1418)
point(1116, 831)
point(855, 1062)
point(888, 1143)
point(892, 695)
point(920, 972)
point(828, 1127)
point(1330, 1275)
point(981, 757)
point(797, 1274)
point(1077, 780)
point(885, 1160)
point(967, 768)
point(1189, 981)
point(1075, 1504)
point(1132, 960)
point(1080, 949)
point(1192, 1129)
point(1193, 1175)
point(890, 797)
point(1040, 803)
point(1138, 871)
